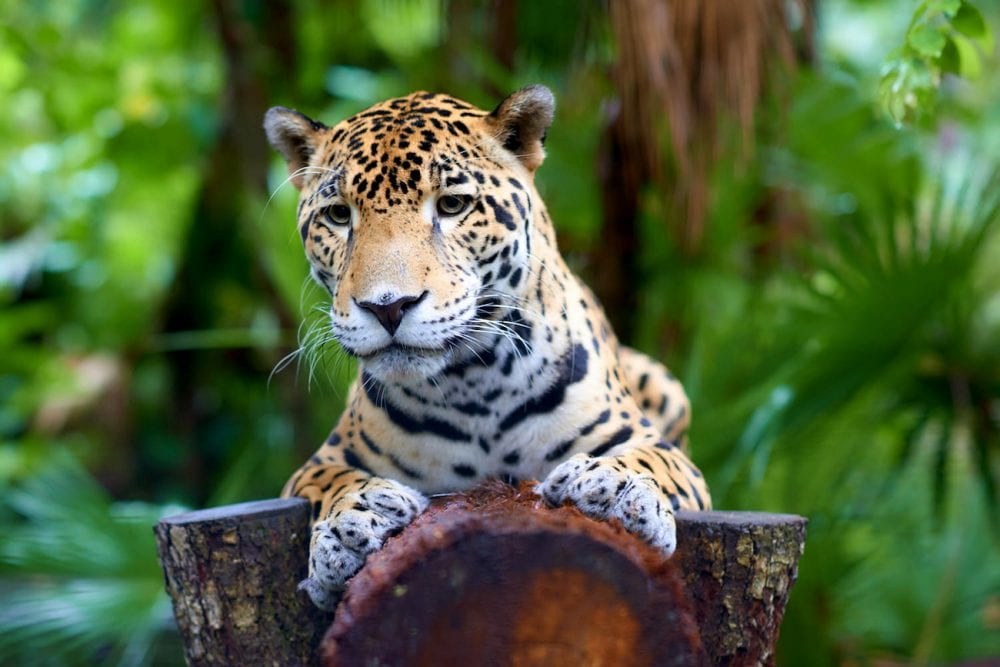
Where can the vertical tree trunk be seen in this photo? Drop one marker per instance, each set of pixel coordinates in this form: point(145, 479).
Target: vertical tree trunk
point(685, 73)
point(220, 249)
point(615, 261)
point(502, 24)
point(232, 574)
point(738, 569)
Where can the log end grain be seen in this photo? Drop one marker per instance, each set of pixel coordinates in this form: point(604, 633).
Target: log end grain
point(496, 577)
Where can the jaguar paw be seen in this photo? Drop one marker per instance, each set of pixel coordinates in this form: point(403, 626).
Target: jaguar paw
point(358, 524)
point(603, 488)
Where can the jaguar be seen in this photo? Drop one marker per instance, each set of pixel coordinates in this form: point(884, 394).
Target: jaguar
point(480, 354)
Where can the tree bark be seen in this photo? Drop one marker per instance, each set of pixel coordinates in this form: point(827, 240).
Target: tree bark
point(488, 577)
point(232, 573)
point(738, 569)
point(614, 260)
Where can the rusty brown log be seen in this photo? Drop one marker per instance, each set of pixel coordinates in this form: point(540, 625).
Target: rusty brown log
point(492, 577)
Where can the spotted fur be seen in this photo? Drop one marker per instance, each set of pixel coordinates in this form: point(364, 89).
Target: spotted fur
point(481, 355)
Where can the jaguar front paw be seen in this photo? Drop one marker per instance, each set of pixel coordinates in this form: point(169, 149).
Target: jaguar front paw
point(606, 489)
point(358, 524)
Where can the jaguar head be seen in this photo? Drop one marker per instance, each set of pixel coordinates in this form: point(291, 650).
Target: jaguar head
point(416, 215)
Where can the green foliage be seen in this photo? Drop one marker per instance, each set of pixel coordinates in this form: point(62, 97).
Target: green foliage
point(416, 25)
point(944, 37)
point(949, 549)
point(80, 578)
point(850, 377)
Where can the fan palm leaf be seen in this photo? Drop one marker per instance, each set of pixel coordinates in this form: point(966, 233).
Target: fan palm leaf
point(78, 573)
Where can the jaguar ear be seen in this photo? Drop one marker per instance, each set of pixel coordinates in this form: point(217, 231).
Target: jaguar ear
point(295, 136)
point(521, 122)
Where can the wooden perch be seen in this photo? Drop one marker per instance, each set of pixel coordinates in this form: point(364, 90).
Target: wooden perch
point(232, 574)
point(490, 577)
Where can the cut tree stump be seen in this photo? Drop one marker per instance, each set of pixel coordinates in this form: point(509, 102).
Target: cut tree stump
point(232, 574)
point(488, 577)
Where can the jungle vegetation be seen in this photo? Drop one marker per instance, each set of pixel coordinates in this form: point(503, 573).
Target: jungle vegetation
point(795, 204)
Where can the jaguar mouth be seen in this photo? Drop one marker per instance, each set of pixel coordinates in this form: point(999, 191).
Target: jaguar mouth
point(400, 362)
point(402, 350)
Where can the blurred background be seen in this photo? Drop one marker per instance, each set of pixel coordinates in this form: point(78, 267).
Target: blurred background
point(794, 203)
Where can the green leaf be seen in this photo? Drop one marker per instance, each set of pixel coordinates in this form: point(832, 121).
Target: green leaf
point(948, 7)
point(951, 61)
point(907, 86)
point(972, 25)
point(970, 66)
point(969, 22)
point(927, 40)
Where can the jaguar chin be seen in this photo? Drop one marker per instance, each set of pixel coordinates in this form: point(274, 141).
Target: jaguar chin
point(398, 363)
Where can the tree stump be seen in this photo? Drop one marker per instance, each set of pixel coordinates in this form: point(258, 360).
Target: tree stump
point(490, 577)
point(738, 568)
point(232, 573)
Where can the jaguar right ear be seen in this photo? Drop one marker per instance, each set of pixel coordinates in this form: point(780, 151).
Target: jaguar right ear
point(295, 136)
point(521, 122)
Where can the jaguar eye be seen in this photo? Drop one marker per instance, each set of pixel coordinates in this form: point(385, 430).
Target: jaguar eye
point(338, 214)
point(450, 205)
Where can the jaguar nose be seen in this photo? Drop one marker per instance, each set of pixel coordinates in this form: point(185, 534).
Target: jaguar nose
point(390, 314)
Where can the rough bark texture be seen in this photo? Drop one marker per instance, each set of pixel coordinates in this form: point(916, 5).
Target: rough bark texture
point(738, 568)
point(232, 574)
point(491, 577)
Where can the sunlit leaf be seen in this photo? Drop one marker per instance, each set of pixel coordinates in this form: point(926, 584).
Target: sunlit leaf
point(927, 40)
point(968, 58)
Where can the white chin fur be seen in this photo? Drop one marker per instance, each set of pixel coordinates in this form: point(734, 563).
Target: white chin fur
point(400, 365)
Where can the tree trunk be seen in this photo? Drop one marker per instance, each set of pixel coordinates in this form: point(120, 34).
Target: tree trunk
point(615, 259)
point(738, 568)
point(232, 573)
point(489, 577)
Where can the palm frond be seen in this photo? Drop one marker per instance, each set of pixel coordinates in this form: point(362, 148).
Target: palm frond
point(78, 573)
point(887, 282)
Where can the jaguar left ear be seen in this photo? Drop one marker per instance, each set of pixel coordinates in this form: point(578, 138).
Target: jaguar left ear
point(521, 122)
point(295, 136)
